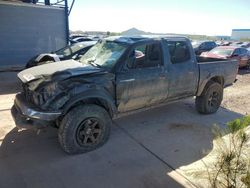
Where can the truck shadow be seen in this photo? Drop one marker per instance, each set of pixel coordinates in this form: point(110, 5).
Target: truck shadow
point(175, 133)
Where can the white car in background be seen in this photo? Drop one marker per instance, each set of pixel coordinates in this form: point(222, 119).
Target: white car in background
point(74, 51)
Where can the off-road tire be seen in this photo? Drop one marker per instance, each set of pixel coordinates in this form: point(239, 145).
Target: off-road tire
point(210, 99)
point(68, 133)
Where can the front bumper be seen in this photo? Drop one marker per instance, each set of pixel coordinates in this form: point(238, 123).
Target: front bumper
point(27, 115)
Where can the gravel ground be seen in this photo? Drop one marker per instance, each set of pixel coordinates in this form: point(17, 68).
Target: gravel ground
point(237, 97)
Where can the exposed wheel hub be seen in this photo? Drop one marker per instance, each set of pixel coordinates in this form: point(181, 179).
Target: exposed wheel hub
point(89, 132)
point(213, 99)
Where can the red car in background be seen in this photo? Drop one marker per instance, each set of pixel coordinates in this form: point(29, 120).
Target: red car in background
point(230, 52)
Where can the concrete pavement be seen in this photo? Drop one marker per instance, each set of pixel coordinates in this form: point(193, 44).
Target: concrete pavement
point(147, 149)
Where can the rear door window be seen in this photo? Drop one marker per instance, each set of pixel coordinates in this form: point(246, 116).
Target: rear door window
point(146, 55)
point(179, 51)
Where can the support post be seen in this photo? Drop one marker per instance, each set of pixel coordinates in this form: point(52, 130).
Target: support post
point(66, 21)
point(47, 2)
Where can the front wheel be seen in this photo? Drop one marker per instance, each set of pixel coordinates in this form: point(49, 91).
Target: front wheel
point(210, 99)
point(84, 128)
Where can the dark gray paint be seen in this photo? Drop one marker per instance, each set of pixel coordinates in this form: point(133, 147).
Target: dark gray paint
point(56, 88)
point(27, 30)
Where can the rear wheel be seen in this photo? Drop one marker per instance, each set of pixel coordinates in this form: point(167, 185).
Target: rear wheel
point(210, 99)
point(84, 129)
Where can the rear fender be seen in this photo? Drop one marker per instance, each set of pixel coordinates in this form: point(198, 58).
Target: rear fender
point(218, 79)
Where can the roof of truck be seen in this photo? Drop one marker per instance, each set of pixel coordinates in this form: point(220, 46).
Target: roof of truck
point(133, 39)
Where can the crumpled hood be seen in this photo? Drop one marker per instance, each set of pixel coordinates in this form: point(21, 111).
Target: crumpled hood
point(69, 67)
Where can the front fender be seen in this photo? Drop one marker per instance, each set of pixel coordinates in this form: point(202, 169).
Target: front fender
point(100, 94)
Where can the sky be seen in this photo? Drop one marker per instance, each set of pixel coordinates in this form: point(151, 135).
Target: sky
point(205, 17)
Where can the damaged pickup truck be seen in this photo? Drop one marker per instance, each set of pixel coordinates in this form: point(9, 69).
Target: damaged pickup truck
point(116, 76)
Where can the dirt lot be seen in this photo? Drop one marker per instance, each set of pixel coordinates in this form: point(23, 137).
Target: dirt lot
point(148, 149)
point(237, 98)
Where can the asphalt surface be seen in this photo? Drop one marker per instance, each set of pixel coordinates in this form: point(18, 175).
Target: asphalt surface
point(145, 150)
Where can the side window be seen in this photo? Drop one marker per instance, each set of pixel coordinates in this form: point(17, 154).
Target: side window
point(179, 51)
point(203, 45)
point(206, 45)
point(80, 53)
point(210, 45)
point(147, 55)
point(236, 52)
point(243, 51)
point(213, 44)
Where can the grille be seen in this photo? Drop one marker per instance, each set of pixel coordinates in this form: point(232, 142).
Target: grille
point(33, 97)
point(28, 94)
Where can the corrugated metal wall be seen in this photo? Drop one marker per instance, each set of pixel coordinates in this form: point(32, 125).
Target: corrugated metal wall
point(27, 30)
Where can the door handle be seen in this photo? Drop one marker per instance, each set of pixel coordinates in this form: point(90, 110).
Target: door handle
point(128, 80)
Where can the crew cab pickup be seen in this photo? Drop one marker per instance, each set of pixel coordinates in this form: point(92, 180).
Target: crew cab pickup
point(116, 76)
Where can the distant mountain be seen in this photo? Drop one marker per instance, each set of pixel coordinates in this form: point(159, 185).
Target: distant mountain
point(135, 31)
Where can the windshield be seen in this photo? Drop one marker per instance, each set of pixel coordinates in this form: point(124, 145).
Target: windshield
point(104, 54)
point(222, 51)
point(196, 44)
point(69, 50)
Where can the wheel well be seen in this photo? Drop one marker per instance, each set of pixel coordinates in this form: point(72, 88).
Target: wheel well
point(47, 58)
point(101, 102)
point(218, 79)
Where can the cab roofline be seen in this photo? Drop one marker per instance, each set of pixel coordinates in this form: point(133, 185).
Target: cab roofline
point(137, 38)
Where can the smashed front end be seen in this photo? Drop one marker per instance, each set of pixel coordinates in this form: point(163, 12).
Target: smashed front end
point(29, 110)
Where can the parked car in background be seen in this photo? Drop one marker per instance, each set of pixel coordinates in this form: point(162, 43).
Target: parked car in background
point(73, 36)
point(219, 42)
point(245, 45)
point(203, 46)
point(230, 52)
point(80, 39)
point(236, 43)
point(226, 43)
point(74, 51)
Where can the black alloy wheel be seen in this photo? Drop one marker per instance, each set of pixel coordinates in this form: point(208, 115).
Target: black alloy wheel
point(89, 132)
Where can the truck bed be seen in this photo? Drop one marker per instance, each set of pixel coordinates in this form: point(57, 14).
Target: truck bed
point(211, 67)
